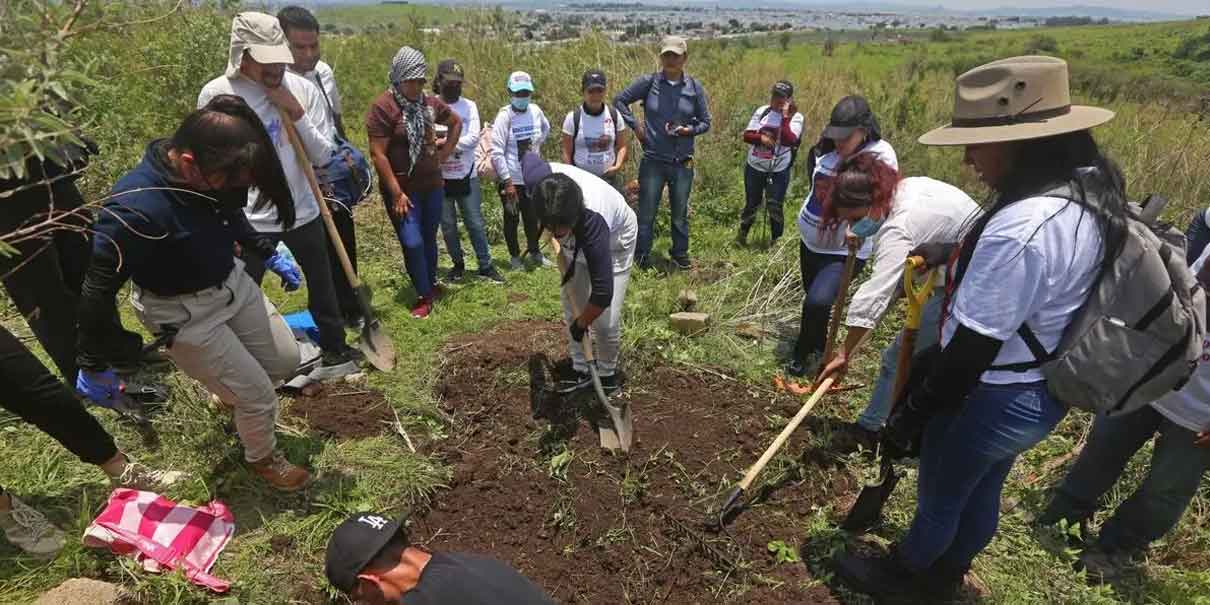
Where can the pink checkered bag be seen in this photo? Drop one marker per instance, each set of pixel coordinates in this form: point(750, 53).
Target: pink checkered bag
point(163, 535)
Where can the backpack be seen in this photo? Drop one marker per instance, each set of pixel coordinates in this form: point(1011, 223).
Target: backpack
point(1139, 334)
point(575, 129)
point(793, 148)
point(483, 156)
point(347, 178)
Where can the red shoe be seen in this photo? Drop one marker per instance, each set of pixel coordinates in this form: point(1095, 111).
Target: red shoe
point(422, 308)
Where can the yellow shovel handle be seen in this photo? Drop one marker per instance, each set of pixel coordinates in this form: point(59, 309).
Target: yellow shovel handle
point(916, 294)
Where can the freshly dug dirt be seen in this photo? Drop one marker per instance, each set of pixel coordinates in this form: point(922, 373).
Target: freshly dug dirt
point(85, 591)
point(343, 412)
point(593, 527)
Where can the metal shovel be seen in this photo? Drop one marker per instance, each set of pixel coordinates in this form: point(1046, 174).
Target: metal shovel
point(867, 509)
point(377, 347)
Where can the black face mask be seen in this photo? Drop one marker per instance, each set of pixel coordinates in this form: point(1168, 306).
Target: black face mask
point(451, 91)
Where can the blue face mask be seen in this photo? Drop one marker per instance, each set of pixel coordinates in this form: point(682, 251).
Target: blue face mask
point(520, 103)
point(866, 227)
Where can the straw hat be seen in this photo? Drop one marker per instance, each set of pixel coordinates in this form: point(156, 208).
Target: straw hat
point(1014, 100)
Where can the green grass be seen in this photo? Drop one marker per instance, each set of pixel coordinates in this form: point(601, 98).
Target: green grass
point(362, 16)
point(147, 87)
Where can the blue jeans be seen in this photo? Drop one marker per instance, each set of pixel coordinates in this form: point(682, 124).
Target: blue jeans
point(879, 408)
point(821, 275)
point(654, 175)
point(418, 235)
point(1196, 236)
point(1156, 506)
point(965, 457)
point(472, 214)
point(770, 189)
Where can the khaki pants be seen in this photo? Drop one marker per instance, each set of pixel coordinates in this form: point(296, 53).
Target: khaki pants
point(232, 340)
point(606, 330)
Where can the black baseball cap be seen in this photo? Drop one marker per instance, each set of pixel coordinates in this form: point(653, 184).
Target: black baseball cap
point(355, 543)
point(783, 88)
point(592, 77)
point(450, 70)
point(851, 113)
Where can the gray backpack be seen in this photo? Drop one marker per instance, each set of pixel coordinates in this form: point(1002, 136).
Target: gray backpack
point(1139, 334)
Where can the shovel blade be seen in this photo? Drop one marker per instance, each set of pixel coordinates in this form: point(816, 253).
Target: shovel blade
point(730, 509)
point(867, 509)
point(377, 347)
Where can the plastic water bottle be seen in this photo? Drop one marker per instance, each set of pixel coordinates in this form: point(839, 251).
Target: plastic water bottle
point(285, 253)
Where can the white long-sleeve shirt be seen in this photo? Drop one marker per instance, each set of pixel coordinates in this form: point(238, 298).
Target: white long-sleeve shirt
point(508, 129)
point(924, 211)
point(318, 146)
point(461, 163)
point(325, 80)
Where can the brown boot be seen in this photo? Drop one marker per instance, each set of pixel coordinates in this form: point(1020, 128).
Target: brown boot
point(282, 475)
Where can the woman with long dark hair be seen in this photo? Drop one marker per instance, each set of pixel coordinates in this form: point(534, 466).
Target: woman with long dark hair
point(171, 226)
point(1056, 220)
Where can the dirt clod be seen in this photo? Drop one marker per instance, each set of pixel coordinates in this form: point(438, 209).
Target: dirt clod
point(281, 543)
point(344, 412)
point(85, 591)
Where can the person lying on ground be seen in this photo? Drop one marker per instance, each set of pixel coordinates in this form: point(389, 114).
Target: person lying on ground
point(462, 192)
point(670, 127)
point(370, 559)
point(256, 72)
point(772, 136)
point(594, 136)
point(303, 35)
point(1056, 221)
point(898, 215)
point(407, 152)
point(29, 390)
point(852, 130)
point(170, 227)
point(519, 127)
point(1180, 423)
point(596, 231)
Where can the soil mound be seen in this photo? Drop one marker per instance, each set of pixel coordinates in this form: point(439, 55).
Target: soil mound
point(343, 412)
point(593, 527)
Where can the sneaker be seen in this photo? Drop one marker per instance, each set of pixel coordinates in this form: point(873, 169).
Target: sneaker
point(337, 364)
point(280, 473)
point(491, 274)
point(612, 384)
point(796, 368)
point(422, 308)
point(574, 382)
point(516, 264)
point(741, 240)
point(30, 531)
point(1103, 566)
point(684, 264)
point(143, 478)
point(860, 436)
point(455, 274)
point(538, 259)
point(644, 263)
point(875, 575)
point(355, 322)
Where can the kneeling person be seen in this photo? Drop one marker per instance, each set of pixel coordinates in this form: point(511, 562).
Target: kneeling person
point(597, 232)
point(369, 559)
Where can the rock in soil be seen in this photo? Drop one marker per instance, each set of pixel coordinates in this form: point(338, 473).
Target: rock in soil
point(689, 323)
point(687, 299)
point(85, 591)
point(348, 412)
point(593, 527)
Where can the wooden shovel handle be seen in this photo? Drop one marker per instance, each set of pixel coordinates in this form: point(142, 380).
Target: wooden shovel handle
point(785, 433)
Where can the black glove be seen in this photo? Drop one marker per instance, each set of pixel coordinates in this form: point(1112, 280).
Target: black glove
point(904, 430)
point(577, 333)
point(936, 254)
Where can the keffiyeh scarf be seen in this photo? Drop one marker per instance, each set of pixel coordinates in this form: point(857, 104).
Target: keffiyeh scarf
point(408, 64)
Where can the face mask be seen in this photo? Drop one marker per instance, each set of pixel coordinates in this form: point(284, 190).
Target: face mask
point(520, 103)
point(865, 227)
point(451, 92)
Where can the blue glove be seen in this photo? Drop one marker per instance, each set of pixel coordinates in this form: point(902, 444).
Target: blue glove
point(291, 277)
point(101, 388)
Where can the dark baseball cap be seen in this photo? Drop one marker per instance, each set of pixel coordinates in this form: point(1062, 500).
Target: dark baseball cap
point(783, 88)
point(851, 113)
point(355, 543)
point(593, 77)
point(534, 169)
point(450, 70)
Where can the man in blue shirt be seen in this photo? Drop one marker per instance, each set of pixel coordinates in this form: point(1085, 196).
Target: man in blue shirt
point(674, 111)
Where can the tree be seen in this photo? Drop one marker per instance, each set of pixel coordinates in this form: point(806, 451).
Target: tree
point(784, 41)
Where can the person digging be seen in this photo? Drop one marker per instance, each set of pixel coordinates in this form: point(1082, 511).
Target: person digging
point(370, 559)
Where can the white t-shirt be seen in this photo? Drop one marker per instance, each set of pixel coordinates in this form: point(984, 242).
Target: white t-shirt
point(318, 146)
point(810, 217)
point(594, 146)
point(462, 162)
point(602, 198)
point(761, 157)
point(1189, 407)
point(1035, 263)
point(511, 127)
point(327, 84)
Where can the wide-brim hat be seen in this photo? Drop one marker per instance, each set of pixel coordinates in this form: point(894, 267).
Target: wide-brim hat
point(259, 34)
point(1014, 99)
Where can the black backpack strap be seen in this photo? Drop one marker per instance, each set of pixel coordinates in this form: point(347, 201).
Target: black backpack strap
point(1041, 355)
point(575, 130)
point(331, 110)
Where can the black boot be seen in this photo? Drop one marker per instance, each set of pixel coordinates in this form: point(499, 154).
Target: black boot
point(741, 238)
point(877, 575)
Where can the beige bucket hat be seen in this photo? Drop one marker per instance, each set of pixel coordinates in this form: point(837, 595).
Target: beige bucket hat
point(1014, 100)
point(259, 34)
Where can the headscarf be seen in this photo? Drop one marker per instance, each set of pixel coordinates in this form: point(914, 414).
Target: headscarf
point(408, 64)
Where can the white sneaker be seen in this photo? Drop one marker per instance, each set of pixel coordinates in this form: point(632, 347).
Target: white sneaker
point(539, 259)
point(144, 478)
point(30, 531)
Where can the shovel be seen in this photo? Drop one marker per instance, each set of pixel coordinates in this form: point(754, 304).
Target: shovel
point(842, 295)
point(621, 433)
point(867, 509)
point(377, 347)
point(734, 502)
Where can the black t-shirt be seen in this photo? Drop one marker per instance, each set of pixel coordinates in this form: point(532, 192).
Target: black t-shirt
point(459, 579)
